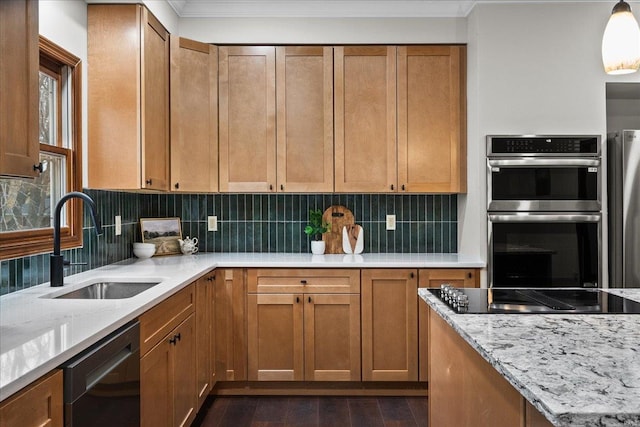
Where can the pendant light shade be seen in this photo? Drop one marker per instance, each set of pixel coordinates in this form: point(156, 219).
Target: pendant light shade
point(621, 41)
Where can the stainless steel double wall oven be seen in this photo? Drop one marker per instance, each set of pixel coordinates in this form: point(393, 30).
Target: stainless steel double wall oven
point(544, 211)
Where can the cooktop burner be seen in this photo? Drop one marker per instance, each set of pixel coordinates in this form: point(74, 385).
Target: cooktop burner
point(535, 300)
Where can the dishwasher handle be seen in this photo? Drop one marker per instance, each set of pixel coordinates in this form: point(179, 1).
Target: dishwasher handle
point(87, 369)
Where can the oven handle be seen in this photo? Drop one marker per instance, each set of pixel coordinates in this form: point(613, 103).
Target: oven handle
point(528, 217)
point(543, 162)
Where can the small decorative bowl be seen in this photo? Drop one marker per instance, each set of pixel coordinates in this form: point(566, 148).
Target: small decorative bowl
point(144, 250)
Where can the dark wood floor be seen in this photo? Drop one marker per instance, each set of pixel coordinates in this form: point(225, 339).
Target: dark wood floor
point(313, 411)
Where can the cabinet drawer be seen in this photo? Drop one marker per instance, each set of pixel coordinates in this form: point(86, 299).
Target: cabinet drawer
point(304, 281)
point(38, 404)
point(156, 323)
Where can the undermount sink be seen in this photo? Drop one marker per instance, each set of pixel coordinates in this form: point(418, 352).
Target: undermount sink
point(108, 290)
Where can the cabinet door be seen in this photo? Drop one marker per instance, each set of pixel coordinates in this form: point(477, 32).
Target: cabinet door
point(155, 104)
point(247, 119)
point(304, 118)
point(19, 142)
point(433, 278)
point(275, 337)
point(365, 118)
point(204, 333)
point(156, 386)
point(184, 373)
point(231, 325)
point(432, 119)
point(389, 325)
point(128, 98)
point(39, 404)
point(332, 337)
point(194, 116)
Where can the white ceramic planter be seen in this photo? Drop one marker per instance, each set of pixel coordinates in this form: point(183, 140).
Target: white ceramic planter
point(317, 247)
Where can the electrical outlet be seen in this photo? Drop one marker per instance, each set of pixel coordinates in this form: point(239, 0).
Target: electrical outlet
point(118, 225)
point(212, 223)
point(391, 222)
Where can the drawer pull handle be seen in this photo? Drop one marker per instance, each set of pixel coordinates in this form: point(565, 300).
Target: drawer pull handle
point(304, 282)
point(309, 299)
point(411, 275)
point(297, 300)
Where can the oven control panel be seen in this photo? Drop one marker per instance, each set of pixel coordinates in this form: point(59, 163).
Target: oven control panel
point(543, 145)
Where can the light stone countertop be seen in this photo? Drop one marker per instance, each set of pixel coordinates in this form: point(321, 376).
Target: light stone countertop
point(577, 370)
point(38, 333)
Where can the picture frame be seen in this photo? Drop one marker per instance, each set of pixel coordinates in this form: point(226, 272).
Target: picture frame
point(165, 233)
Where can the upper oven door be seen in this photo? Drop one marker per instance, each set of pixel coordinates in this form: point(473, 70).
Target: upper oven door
point(544, 250)
point(543, 184)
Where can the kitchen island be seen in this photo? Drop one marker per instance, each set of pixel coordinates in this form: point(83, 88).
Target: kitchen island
point(576, 370)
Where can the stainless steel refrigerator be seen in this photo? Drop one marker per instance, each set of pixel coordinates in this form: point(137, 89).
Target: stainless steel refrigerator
point(624, 208)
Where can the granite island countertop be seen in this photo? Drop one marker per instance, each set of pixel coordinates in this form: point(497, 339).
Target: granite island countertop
point(577, 370)
point(38, 332)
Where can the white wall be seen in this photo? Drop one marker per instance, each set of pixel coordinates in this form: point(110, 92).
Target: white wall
point(324, 30)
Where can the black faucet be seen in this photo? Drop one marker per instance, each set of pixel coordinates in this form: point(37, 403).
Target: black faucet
point(57, 262)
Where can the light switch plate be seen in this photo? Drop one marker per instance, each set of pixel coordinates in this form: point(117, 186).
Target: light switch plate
point(391, 222)
point(212, 223)
point(118, 225)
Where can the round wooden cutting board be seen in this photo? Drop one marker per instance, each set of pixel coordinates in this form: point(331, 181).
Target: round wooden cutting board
point(338, 216)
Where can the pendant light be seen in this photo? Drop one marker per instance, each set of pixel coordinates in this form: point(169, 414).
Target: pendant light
point(621, 41)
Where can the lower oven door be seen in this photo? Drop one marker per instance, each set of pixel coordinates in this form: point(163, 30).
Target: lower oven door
point(544, 250)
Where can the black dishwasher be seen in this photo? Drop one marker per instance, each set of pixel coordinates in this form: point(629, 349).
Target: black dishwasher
point(102, 384)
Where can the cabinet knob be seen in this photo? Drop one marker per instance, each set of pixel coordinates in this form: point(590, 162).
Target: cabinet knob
point(411, 275)
point(403, 187)
point(392, 186)
point(172, 340)
point(281, 187)
point(177, 185)
point(149, 181)
point(40, 167)
point(270, 187)
point(297, 300)
point(469, 275)
point(309, 299)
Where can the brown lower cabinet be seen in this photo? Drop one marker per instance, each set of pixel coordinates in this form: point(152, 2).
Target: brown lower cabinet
point(205, 336)
point(299, 333)
point(231, 325)
point(459, 378)
point(168, 362)
point(433, 278)
point(38, 404)
point(389, 325)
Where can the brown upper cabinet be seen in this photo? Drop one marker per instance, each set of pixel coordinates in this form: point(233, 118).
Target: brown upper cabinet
point(432, 119)
point(247, 102)
point(276, 119)
point(304, 93)
point(128, 52)
point(365, 119)
point(19, 143)
point(194, 116)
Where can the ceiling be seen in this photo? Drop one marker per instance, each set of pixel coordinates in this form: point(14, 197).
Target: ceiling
point(336, 8)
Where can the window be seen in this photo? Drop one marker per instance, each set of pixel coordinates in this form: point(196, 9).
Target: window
point(27, 204)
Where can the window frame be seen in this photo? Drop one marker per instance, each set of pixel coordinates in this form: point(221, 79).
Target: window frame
point(15, 244)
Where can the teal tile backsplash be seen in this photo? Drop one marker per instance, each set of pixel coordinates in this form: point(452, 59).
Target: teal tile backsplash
point(248, 223)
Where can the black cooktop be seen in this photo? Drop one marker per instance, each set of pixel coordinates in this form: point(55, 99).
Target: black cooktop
point(535, 300)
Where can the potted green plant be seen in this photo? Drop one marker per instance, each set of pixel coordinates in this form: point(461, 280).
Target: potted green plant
point(315, 229)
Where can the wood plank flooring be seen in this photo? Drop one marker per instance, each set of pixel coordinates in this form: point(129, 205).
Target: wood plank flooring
point(312, 411)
